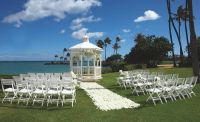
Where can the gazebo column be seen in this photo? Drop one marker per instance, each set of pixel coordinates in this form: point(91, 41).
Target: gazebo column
point(94, 62)
point(88, 67)
point(81, 67)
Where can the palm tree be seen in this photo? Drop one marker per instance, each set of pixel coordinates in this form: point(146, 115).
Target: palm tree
point(56, 56)
point(170, 32)
point(172, 43)
point(116, 46)
point(178, 17)
point(64, 50)
point(100, 43)
point(174, 27)
point(117, 43)
point(193, 41)
point(61, 58)
point(107, 41)
point(185, 19)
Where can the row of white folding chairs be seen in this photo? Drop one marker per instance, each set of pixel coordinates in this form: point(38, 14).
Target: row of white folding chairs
point(48, 75)
point(125, 80)
point(39, 91)
point(171, 89)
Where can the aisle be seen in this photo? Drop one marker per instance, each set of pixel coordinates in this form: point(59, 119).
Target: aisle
point(105, 99)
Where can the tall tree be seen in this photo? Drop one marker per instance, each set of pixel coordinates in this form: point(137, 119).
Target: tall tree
point(172, 43)
point(116, 45)
point(64, 51)
point(56, 56)
point(193, 41)
point(186, 28)
point(174, 27)
point(100, 43)
point(107, 41)
point(61, 58)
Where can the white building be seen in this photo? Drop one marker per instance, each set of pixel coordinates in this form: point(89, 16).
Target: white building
point(85, 60)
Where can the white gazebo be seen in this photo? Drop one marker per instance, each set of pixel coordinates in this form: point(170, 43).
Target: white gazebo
point(85, 60)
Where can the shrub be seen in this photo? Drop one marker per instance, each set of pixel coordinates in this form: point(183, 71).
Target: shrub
point(129, 67)
point(106, 70)
point(118, 66)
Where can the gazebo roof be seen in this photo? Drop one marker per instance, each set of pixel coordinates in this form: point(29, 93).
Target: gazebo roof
point(85, 45)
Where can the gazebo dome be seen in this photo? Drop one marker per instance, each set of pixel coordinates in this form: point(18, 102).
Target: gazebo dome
point(85, 45)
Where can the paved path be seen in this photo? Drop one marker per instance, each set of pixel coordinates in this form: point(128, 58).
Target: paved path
point(105, 99)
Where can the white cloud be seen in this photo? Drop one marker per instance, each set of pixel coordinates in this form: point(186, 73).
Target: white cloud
point(148, 15)
point(84, 31)
point(62, 31)
point(126, 30)
point(78, 23)
point(123, 40)
point(39, 9)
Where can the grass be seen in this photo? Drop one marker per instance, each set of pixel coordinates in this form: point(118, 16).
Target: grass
point(84, 110)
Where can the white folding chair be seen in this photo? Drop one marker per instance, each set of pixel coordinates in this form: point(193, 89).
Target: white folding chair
point(53, 90)
point(39, 92)
point(25, 92)
point(178, 89)
point(9, 90)
point(189, 86)
point(155, 93)
point(68, 93)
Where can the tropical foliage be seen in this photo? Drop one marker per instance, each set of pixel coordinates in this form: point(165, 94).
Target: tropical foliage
point(148, 50)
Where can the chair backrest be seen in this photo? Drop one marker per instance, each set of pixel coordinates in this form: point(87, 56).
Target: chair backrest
point(169, 76)
point(194, 81)
point(40, 75)
point(151, 77)
point(180, 81)
point(162, 77)
point(154, 73)
point(68, 86)
point(189, 80)
point(23, 76)
point(160, 73)
point(17, 78)
point(67, 79)
point(31, 74)
point(175, 76)
point(7, 83)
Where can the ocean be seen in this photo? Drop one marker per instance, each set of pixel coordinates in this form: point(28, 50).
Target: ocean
point(19, 67)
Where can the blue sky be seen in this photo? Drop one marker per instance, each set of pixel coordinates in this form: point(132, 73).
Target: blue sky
point(39, 29)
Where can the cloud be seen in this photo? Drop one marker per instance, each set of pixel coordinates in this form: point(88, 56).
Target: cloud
point(39, 9)
point(126, 30)
point(62, 31)
point(84, 31)
point(123, 40)
point(78, 23)
point(148, 15)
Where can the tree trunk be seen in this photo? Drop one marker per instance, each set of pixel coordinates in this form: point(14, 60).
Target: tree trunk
point(172, 43)
point(173, 25)
point(193, 41)
point(186, 30)
point(179, 40)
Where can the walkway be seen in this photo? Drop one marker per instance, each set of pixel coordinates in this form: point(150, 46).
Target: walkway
point(105, 99)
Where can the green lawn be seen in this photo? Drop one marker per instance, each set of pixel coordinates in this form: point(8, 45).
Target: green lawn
point(84, 110)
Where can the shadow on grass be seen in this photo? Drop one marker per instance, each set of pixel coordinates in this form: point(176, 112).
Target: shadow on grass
point(37, 106)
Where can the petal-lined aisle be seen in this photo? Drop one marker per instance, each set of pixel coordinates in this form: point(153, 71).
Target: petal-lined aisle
point(105, 99)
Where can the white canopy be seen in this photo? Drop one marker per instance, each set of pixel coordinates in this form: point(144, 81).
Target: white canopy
point(85, 45)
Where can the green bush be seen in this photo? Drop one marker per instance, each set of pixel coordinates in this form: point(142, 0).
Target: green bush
point(118, 66)
point(129, 67)
point(106, 70)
